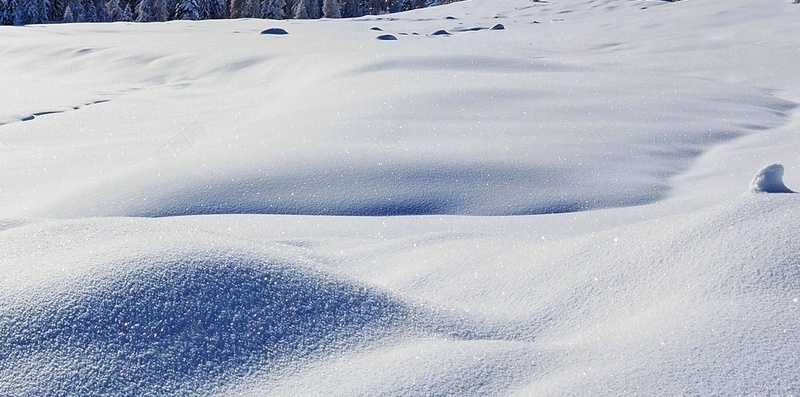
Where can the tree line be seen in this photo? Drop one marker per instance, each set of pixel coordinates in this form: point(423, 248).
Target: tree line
point(25, 12)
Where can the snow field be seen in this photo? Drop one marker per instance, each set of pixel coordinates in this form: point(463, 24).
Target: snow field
point(602, 149)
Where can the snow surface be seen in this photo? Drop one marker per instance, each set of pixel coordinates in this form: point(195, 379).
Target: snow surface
point(574, 184)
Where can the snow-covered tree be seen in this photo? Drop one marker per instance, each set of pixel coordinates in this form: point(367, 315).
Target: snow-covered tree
point(273, 9)
point(245, 9)
point(152, 11)
point(411, 5)
point(28, 12)
point(45, 7)
point(331, 9)
point(3, 8)
point(114, 11)
point(306, 9)
point(171, 6)
point(288, 10)
point(216, 9)
point(55, 10)
point(314, 9)
point(351, 8)
point(73, 12)
point(301, 9)
point(377, 7)
point(100, 10)
point(188, 10)
point(127, 14)
point(237, 8)
point(90, 12)
point(69, 15)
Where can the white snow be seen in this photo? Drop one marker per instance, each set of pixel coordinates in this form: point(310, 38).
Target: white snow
point(769, 180)
point(554, 208)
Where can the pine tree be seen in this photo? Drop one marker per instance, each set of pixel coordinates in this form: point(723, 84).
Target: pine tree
point(27, 13)
point(377, 7)
point(127, 14)
point(152, 11)
point(2, 12)
point(100, 11)
point(160, 10)
point(73, 12)
point(350, 9)
point(187, 10)
point(217, 9)
point(237, 8)
point(56, 10)
point(44, 10)
point(273, 9)
point(253, 9)
point(69, 16)
point(114, 11)
point(140, 12)
point(203, 9)
point(315, 9)
point(11, 11)
point(412, 5)
point(288, 10)
point(331, 9)
point(90, 12)
point(170, 6)
point(246, 8)
point(301, 10)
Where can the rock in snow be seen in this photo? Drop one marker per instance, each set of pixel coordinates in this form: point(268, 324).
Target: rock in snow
point(769, 180)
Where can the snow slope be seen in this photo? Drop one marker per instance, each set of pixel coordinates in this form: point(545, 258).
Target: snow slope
point(621, 135)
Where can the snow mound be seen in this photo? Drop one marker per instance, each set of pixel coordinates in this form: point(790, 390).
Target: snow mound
point(158, 308)
point(172, 326)
point(769, 180)
point(275, 31)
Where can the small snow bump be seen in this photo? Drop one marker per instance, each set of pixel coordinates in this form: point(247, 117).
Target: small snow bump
point(386, 37)
point(499, 26)
point(440, 32)
point(376, 29)
point(769, 180)
point(275, 31)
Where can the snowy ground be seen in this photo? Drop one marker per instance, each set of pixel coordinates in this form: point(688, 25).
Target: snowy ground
point(574, 188)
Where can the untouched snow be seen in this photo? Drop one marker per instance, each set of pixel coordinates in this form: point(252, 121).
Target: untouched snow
point(621, 134)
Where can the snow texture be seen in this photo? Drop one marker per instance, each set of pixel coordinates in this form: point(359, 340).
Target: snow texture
point(551, 209)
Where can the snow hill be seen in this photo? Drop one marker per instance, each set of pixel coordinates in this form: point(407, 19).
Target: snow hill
point(494, 197)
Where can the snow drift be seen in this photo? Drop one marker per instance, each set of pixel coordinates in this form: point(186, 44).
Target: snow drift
point(199, 208)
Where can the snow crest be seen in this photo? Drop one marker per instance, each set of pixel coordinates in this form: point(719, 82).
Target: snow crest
point(769, 180)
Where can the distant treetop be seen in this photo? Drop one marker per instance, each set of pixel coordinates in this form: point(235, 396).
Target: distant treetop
point(25, 12)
